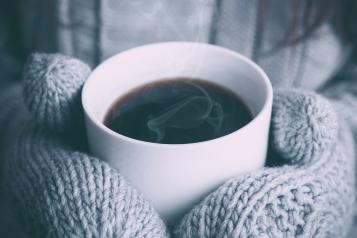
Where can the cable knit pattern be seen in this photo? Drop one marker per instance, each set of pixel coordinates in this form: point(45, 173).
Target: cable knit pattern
point(61, 192)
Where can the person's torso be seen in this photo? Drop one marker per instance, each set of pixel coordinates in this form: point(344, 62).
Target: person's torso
point(94, 30)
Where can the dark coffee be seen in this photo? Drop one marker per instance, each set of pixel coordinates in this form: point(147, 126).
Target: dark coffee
point(178, 111)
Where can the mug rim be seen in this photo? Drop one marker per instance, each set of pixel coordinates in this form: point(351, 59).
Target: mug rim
point(252, 122)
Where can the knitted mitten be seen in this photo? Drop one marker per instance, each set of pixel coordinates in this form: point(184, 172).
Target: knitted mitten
point(58, 190)
point(311, 196)
point(62, 192)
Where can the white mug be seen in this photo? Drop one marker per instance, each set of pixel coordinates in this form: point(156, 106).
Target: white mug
point(174, 177)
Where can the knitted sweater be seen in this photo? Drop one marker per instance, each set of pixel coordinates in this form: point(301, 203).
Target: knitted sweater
point(93, 30)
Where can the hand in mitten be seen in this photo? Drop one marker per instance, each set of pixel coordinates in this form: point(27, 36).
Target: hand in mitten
point(311, 196)
point(60, 191)
point(66, 193)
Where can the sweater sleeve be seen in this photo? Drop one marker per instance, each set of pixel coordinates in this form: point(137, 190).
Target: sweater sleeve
point(11, 60)
point(342, 92)
point(11, 51)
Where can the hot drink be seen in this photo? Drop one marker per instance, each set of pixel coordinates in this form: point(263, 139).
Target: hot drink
point(178, 111)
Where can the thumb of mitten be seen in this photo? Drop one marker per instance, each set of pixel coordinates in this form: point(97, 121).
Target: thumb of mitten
point(304, 124)
point(52, 89)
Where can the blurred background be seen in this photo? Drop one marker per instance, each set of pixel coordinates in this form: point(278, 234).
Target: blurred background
point(298, 43)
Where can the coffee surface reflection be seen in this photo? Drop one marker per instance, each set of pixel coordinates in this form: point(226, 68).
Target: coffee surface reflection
point(177, 111)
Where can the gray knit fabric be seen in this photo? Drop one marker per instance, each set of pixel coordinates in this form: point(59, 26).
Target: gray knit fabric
point(60, 192)
point(312, 122)
point(311, 197)
point(58, 79)
point(64, 193)
point(276, 203)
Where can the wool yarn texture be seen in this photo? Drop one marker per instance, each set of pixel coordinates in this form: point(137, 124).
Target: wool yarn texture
point(60, 191)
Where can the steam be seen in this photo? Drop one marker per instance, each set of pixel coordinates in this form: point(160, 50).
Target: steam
point(198, 109)
point(169, 14)
point(187, 114)
point(168, 20)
